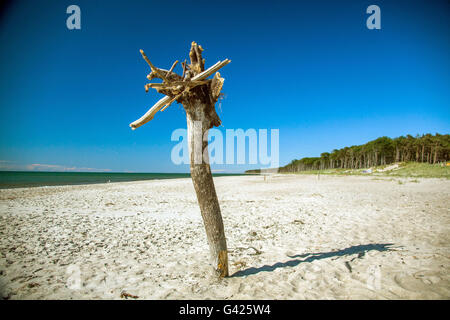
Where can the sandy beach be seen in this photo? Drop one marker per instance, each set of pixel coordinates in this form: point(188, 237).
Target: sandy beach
point(292, 237)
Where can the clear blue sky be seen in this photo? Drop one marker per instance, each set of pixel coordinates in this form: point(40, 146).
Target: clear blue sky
point(311, 69)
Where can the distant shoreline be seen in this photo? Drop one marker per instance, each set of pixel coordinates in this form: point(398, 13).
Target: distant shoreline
point(27, 179)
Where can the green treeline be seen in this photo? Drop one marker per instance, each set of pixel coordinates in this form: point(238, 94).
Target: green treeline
point(426, 148)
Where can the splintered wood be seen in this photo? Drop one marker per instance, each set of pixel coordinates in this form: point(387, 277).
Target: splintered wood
point(175, 86)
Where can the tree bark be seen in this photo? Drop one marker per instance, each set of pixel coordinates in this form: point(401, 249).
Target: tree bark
point(201, 116)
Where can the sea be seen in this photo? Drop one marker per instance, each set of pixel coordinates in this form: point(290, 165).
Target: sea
point(23, 179)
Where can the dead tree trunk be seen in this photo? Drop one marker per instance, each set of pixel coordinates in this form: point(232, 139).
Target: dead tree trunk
point(198, 96)
point(207, 198)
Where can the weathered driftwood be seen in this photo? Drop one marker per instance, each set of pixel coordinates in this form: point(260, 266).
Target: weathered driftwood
point(161, 73)
point(198, 96)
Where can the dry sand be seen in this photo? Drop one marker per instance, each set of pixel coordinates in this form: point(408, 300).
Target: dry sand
point(293, 237)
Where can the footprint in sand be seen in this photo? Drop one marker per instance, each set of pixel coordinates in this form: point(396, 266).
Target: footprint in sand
point(410, 283)
point(427, 277)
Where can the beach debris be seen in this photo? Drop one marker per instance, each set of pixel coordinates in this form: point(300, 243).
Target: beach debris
point(198, 95)
point(349, 267)
point(240, 264)
point(257, 252)
point(126, 295)
point(33, 284)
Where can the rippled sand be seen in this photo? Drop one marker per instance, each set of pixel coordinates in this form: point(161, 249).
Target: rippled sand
point(292, 237)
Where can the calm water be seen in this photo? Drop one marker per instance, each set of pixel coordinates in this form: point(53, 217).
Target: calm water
point(20, 179)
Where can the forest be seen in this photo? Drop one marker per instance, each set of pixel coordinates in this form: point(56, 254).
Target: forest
point(426, 148)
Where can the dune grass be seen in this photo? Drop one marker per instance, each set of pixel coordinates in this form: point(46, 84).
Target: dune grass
point(405, 170)
point(421, 170)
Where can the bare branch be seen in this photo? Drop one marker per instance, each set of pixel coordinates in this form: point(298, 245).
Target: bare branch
point(155, 70)
point(171, 68)
point(170, 77)
point(191, 84)
point(150, 113)
point(146, 59)
point(166, 100)
point(184, 68)
point(197, 62)
point(205, 74)
point(171, 101)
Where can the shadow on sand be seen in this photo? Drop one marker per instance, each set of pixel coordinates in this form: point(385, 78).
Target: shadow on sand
point(360, 250)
